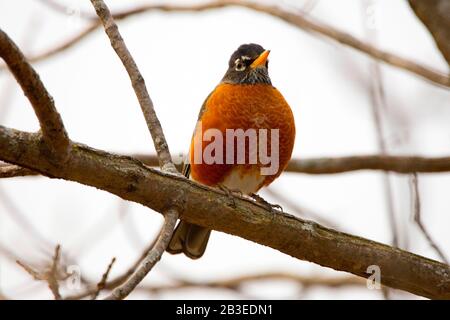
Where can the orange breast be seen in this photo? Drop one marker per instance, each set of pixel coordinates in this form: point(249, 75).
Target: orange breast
point(232, 106)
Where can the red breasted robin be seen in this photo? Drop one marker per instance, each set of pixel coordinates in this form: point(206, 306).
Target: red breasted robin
point(244, 99)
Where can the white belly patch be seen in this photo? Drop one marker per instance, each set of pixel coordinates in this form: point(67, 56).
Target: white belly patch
point(245, 180)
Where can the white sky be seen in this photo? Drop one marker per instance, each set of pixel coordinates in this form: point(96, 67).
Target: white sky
point(325, 83)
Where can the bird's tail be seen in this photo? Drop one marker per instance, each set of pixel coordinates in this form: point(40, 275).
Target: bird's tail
point(189, 239)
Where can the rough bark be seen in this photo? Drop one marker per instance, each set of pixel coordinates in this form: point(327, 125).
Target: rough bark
point(129, 179)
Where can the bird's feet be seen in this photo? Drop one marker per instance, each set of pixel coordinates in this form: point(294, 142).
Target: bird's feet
point(271, 207)
point(230, 192)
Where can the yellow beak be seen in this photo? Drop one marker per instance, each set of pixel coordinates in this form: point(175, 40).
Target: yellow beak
point(261, 60)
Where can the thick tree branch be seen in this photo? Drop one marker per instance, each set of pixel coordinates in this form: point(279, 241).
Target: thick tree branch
point(298, 20)
point(138, 83)
point(52, 127)
point(10, 171)
point(129, 179)
point(435, 15)
point(153, 256)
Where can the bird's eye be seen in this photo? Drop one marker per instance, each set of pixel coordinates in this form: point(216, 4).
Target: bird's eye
point(240, 66)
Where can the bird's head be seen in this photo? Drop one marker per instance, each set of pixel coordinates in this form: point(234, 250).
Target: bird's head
point(248, 65)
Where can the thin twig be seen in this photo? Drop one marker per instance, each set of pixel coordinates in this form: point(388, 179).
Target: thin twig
point(378, 104)
point(418, 218)
point(298, 20)
point(101, 285)
point(138, 83)
point(52, 126)
point(117, 281)
point(51, 276)
point(153, 256)
point(11, 171)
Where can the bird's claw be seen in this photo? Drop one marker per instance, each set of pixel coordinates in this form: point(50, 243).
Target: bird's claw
point(229, 193)
point(271, 207)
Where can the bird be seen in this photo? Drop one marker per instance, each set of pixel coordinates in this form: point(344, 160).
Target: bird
point(244, 99)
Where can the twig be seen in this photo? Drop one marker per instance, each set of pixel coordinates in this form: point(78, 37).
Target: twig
point(418, 219)
point(298, 20)
point(138, 83)
point(117, 281)
point(30, 271)
point(101, 285)
point(10, 171)
point(52, 126)
point(378, 104)
point(153, 256)
point(51, 276)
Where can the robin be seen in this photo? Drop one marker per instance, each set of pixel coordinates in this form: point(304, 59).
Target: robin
point(244, 102)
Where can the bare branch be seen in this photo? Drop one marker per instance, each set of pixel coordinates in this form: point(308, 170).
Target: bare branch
point(138, 83)
point(117, 281)
point(51, 276)
point(435, 16)
point(418, 219)
point(236, 283)
point(10, 171)
point(52, 127)
point(398, 164)
point(301, 21)
point(153, 256)
point(326, 165)
point(378, 104)
point(101, 285)
point(211, 208)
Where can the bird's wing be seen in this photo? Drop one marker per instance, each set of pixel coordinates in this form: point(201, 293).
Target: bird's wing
point(186, 165)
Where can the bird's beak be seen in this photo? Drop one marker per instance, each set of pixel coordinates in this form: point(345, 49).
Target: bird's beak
point(261, 60)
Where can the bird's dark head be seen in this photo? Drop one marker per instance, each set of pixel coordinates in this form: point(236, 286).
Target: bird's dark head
point(248, 65)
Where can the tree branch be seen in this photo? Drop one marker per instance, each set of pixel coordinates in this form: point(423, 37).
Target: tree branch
point(153, 256)
point(101, 285)
point(301, 21)
point(138, 83)
point(10, 171)
point(131, 180)
point(417, 216)
point(325, 165)
point(435, 16)
point(52, 127)
point(398, 164)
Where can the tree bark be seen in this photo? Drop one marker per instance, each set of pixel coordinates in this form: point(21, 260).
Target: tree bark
point(435, 15)
point(131, 180)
